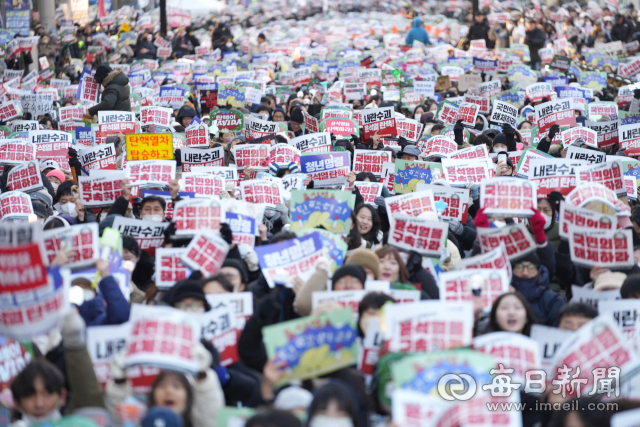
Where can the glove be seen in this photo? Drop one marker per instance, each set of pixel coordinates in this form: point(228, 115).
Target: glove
point(225, 232)
point(379, 201)
point(202, 357)
point(251, 259)
point(414, 263)
point(458, 131)
point(553, 131)
point(537, 225)
point(636, 93)
point(508, 130)
point(73, 331)
point(117, 367)
point(527, 101)
point(545, 99)
point(177, 155)
point(284, 212)
point(456, 227)
point(482, 220)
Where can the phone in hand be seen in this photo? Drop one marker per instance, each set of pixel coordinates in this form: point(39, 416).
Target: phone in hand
point(502, 157)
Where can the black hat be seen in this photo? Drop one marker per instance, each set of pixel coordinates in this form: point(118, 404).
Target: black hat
point(238, 265)
point(500, 138)
point(297, 116)
point(353, 270)
point(532, 258)
point(186, 289)
point(40, 210)
point(102, 72)
point(186, 111)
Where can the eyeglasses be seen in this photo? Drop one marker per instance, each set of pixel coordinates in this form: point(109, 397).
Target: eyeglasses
point(189, 306)
point(521, 267)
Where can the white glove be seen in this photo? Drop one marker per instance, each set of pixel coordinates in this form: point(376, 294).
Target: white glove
point(73, 330)
point(251, 259)
point(117, 365)
point(202, 357)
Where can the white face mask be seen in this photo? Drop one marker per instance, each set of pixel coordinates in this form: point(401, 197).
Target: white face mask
point(55, 186)
point(499, 224)
point(229, 44)
point(41, 222)
point(417, 116)
point(69, 209)
point(89, 294)
point(547, 221)
point(154, 218)
point(324, 421)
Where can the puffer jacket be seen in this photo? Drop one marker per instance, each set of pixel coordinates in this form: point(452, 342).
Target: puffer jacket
point(116, 93)
point(546, 303)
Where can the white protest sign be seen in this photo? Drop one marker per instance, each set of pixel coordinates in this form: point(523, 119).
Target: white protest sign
point(516, 238)
point(508, 197)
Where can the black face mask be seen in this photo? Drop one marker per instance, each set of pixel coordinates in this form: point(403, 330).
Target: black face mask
point(478, 126)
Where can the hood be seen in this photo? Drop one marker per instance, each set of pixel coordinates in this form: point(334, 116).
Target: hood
point(116, 77)
point(533, 288)
point(417, 22)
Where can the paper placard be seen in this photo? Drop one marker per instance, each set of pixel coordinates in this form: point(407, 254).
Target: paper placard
point(426, 237)
point(206, 253)
point(508, 197)
point(604, 248)
point(571, 215)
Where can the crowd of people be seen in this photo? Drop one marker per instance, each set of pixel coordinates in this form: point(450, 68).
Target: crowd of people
point(477, 109)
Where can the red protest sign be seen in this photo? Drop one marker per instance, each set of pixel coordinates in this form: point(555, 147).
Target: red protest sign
point(604, 248)
point(191, 215)
point(219, 328)
point(206, 253)
point(571, 215)
point(507, 197)
point(516, 238)
point(16, 151)
point(560, 112)
point(370, 161)
point(169, 267)
point(99, 157)
point(25, 177)
point(80, 241)
point(15, 205)
point(468, 113)
point(414, 234)
point(261, 191)
point(203, 184)
point(608, 174)
point(98, 192)
point(380, 120)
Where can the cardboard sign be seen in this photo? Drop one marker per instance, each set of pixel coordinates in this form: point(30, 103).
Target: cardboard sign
point(408, 174)
point(428, 326)
point(379, 120)
point(81, 241)
point(535, 92)
point(489, 89)
point(149, 234)
point(467, 113)
point(331, 209)
point(240, 302)
point(524, 165)
point(553, 175)
point(409, 128)
point(100, 157)
point(314, 345)
point(455, 199)
point(560, 112)
point(197, 136)
point(25, 177)
point(447, 112)
point(370, 161)
point(205, 253)
point(516, 238)
point(261, 191)
point(476, 152)
point(193, 215)
point(440, 146)
point(219, 328)
point(227, 119)
point(283, 261)
point(101, 191)
point(197, 157)
point(508, 197)
point(409, 233)
point(549, 341)
point(257, 128)
point(607, 132)
point(516, 351)
point(608, 174)
point(154, 173)
point(251, 155)
point(326, 169)
point(626, 313)
point(284, 154)
point(412, 204)
point(496, 259)
point(586, 193)
point(169, 268)
point(571, 215)
point(598, 344)
point(629, 138)
point(609, 109)
point(149, 146)
point(459, 172)
point(104, 342)
point(606, 248)
point(504, 113)
point(163, 337)
point(459, 285)
point(203, 184)
point(15, 205)
point(589, 136)
point(16, 151)
point(369, 191)
point(305, 142)
point(115, 117)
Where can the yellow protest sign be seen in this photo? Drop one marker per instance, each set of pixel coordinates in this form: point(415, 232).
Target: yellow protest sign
point(149, 146)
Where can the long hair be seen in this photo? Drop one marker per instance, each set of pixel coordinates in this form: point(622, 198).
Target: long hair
point(493, 325)
point(372, 235)
point(354, 239)
point(403, 273)
point(182, 379)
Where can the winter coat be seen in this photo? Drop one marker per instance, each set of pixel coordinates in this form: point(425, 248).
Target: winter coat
point(143, 43)
point(116, 93)
point(109, 307)
point(417, 33)
point(622, 32)
point(546, 304)
point(535, 40)
point(480, 31)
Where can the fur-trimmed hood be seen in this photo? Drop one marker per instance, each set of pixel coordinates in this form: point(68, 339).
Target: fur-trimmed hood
point(117, 76)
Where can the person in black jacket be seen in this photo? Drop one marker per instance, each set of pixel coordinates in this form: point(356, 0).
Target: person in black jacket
point(622, 30)
point(535, 39)
point(116, 93)
point(480, 30)
point(145, 49)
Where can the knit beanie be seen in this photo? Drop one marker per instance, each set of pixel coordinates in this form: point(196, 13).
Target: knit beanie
point(352, 270)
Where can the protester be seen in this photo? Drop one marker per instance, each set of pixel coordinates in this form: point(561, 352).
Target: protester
point(292, 216)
